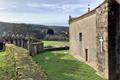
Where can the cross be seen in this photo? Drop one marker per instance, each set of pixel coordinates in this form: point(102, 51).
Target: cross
point(101, 43)
point(88, 7)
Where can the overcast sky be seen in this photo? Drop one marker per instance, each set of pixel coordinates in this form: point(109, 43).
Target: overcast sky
point(50, 12)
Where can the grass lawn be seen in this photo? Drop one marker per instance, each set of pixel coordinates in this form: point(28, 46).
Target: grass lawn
point(59, 65)
point(55, 43)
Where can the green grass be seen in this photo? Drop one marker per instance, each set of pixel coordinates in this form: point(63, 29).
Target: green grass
point(2, 58)
point(3, 64)
point(59, 65)
point(55, 43)
point(7, 70)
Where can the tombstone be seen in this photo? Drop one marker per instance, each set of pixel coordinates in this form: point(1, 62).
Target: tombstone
point(25, 43)
point(1, 45)
point(29, 45)
point(21, 40)
point(4, 34)
point(36, 47)
point(18, 42)
point(22, 43)
point(15, 41)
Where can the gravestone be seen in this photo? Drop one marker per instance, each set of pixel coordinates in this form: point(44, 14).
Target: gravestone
point(1, 45)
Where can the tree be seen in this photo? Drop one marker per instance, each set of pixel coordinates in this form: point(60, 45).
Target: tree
point(50, 32)
point(21, 28)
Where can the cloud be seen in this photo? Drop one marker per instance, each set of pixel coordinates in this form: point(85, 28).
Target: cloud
point(65, 7)
point(1, 8)
point(35, 18)
point(40, 5)
point(71, 7)
point(57, 7)
point(5, 5)
point(43, 11)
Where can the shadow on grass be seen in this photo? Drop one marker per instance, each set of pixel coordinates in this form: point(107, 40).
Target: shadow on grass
point(59, 65)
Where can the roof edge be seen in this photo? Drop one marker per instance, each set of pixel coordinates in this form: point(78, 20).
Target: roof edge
point(72, 19)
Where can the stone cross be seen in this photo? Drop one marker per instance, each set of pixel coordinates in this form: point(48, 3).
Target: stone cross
point(14, 42)
point(101, 43)
point(4, 34)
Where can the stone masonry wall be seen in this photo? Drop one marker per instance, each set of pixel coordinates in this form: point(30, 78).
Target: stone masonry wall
point(86, 26)
point(102, 39)
point(114, 40)
point(118, 53)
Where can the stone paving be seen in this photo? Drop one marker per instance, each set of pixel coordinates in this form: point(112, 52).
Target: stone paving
point(26, 68)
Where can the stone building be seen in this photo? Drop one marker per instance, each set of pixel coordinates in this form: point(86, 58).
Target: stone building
point(95, 39)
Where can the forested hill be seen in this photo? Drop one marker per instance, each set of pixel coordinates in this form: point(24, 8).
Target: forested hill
point(37, 30)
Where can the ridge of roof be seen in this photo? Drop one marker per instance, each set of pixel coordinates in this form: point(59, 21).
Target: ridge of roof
point(71, 19)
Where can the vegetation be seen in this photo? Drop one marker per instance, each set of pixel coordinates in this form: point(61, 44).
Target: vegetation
point(50, 32)
point(59, 65)
point(55, 43)
point(7, 68)
point(15, 57)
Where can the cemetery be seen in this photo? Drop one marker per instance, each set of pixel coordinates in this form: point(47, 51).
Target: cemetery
point(90, 50)
point(20, 65)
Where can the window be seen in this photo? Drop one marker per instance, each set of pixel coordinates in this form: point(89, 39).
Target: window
point(80, 36)
point(86, 54)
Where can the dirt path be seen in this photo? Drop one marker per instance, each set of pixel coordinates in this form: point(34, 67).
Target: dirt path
point(26, 68)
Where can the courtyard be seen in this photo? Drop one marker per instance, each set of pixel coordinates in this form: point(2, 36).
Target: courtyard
point(59, 65)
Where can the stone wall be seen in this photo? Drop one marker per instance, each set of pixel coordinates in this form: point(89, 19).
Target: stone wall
point(102, 40)
point(114, 40)
point(87, 27)
point(118, 42)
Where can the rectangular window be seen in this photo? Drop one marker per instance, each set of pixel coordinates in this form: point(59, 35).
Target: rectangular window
point(86, 54)
point(80, 36)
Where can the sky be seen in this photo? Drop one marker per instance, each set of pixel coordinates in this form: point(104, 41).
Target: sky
point(47, 12)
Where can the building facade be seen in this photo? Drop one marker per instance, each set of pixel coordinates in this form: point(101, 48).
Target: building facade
point(95, 39)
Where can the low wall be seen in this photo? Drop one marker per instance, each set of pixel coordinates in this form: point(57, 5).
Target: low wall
point(22, 64)
point(56, 48)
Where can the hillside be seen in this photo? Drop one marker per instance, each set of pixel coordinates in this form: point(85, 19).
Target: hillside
point(38, 31)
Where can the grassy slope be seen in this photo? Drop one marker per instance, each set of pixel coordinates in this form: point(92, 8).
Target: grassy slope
point(2, 58)
point(4, 65)
point(59, 65)
point(55, 43)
